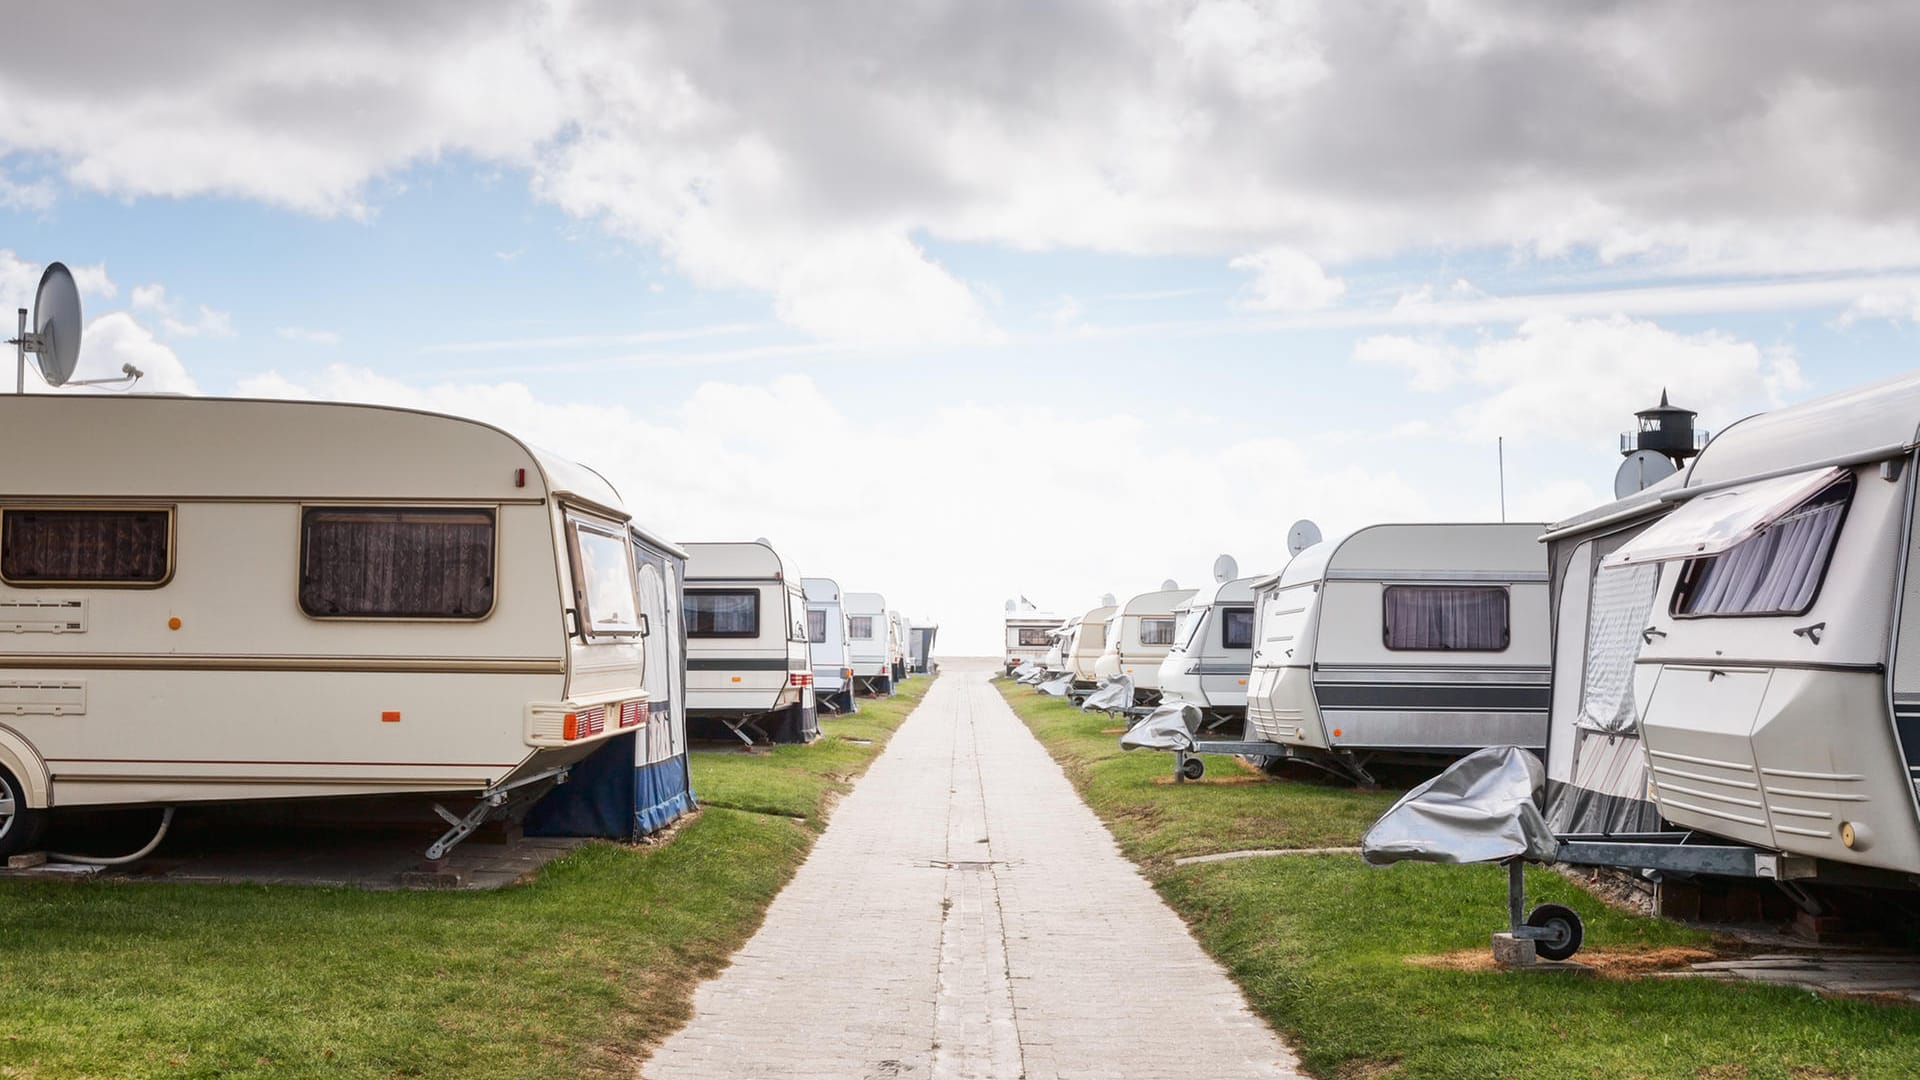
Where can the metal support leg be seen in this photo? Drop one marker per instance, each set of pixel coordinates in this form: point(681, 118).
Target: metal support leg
point(1516, 895)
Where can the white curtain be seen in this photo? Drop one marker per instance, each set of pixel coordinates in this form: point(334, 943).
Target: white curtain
point(1776, 571)
point(1617, 613)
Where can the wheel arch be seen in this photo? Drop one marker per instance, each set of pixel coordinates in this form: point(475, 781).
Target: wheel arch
point(17, 756)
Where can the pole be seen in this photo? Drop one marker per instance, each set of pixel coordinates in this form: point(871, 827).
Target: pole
point(20, 357)
point(1500, 447)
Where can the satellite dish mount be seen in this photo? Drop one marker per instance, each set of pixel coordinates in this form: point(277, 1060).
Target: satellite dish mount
point(55, 340)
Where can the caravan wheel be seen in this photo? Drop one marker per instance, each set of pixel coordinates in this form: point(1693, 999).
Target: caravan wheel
point(20, 824)
point(1192, 769)
point(1567, 930)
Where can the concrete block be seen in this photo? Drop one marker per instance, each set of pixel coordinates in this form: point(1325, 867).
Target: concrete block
point(1510, 951)
point(27, 860)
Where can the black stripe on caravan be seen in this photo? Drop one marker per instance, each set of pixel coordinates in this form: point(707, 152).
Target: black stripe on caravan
point(743, 663)
point(1479, 697)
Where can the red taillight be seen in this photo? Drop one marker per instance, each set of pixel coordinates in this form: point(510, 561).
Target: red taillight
point(800, 679)
point(633, 713)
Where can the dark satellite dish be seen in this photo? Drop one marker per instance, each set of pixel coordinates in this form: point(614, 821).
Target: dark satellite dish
point(56, 323)
point(1302, 536)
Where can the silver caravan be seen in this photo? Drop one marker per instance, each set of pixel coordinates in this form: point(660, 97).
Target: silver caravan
point(1403, 640)
point(1211, 659)
point(226, 600)
point(749, 669)
point(830, 651)
point(867, 635)
point(1778, 678)
point(1139, 634)
point(1029, 634)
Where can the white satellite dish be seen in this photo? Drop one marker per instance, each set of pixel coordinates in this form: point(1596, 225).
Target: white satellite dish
point(1641, 470)
point(1010, 605)
point(1108, 600)
point(1169, 585)
point(1225, 569)
point(55, 338)
point(1302, 536)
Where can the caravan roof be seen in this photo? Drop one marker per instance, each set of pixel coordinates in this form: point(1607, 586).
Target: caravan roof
point(1236, 591)
point(822, 590)
point(1157, 602)
point(1384, 552)
point(1862, 424)
point(740, 560)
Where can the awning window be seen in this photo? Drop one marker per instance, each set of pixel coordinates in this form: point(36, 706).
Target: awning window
point(1712, 523)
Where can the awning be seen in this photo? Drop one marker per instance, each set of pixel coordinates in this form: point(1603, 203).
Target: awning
point(1710, 524)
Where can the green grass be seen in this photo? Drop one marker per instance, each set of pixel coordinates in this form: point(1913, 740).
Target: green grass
point(1321, 943)
point(574, 974)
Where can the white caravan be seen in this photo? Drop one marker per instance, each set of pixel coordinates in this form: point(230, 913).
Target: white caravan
point(455, 612)
point(832, 653)
point(867, 632)
point(1403, 640)
point(1139, 634)
point(748, 664)
point(1088, 641)
point(1055, 662)
point(1778, 680)
point(1212, 654)
point(1029, 634)
point(897, 645)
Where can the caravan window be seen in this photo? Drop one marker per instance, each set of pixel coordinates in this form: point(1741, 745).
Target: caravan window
point(1236, 628)
point(723, 613)
point(1035, 637)
point(1776, 572)
point(1452, 617)
point(816, 625)
point(860, 627)
point(1156, 631)
point(603, 581)
point(86, 547)
point(386, 562)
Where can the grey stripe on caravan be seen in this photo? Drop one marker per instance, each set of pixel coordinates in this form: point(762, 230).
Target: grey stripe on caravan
point(749, 663)
point(1429, 675)
point(1395, 577)
point(425, 665)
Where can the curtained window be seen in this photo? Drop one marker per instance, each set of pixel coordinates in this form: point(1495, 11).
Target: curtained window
point(396, 563)
point(85, 547)
point(1776, 572)
point(1449, 617)
point(1035, 637)
point(816, 625)
point(1156, 631)
point(860, 627)
point(715, 613)
point(1236, 628)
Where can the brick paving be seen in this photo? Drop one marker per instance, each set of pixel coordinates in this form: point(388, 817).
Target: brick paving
point(966, 916)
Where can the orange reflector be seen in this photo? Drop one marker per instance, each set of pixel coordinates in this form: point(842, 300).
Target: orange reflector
point(1336, 733)
point(390, 717)
point(736, 678)
point(173, 623)
point(570, 729)
point(1243, 682)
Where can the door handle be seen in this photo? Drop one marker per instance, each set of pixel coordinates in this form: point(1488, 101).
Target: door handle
point(1651, 632)
point(1811, 633)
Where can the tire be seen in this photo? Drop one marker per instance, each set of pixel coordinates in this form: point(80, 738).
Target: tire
point(1193, 769)
point(1565, 922)
point(20, 825)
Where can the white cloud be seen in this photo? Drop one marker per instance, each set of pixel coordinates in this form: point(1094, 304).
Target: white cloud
point(308, 336)
point(19, 278)
point(1893, 301)
point(1579, 379)
point(1288, 280)
point(206, 322)
point(824, 157)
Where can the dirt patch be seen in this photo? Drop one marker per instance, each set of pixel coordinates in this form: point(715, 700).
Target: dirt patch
point(1368, 1069)
point(1114, 730)
point(1256, 778)
point(1608, 963)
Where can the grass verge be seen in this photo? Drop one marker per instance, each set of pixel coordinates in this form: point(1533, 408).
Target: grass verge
point(1329, 949)
point(574, 974)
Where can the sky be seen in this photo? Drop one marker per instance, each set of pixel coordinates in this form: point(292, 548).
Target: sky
point(962, 301)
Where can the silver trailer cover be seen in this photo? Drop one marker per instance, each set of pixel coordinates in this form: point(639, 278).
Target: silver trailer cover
point(1485, 808)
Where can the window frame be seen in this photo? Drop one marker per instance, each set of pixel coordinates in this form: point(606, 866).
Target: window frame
point(1173, 631)
point(1692, 569)
point(851, 636)
point(1226, 614)
point(722, 635)
point(1386, 626)
point(822, 639)
point(300, 525)
point(1020, 637)
point(583, 628)
point(171, 510)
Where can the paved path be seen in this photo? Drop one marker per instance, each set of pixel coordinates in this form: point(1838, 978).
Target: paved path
point(965, 915)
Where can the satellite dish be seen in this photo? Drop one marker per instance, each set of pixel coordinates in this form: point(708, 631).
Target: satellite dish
point(1225, 569)
point(1108, 600)
point(1010, 605)
point(1169, 585)
point(56, 325)
point(1302, 536)
point(1641, 470)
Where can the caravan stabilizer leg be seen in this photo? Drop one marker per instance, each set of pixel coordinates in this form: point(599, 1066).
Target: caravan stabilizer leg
point(1554, 929)
point(494, 801)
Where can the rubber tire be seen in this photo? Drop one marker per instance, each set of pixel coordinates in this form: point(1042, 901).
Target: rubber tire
point(22, 831)
point(1193, 769)
point(1558, 916)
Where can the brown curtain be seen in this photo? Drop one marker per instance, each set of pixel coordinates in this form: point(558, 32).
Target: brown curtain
point(428, 563)
point(108, 546)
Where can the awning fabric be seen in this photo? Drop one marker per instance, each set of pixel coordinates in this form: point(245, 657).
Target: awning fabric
point(1712, 523)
